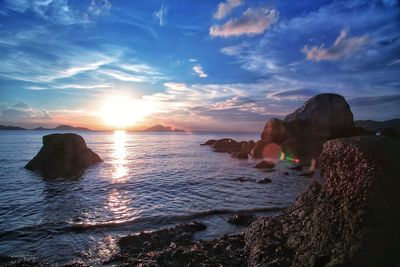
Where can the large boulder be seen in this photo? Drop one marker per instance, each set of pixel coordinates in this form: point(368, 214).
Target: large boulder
point(63, 155)
point(326, 114)
point(351, 221)
point(275, 131)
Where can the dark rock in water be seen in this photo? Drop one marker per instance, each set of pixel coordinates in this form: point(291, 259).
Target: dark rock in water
point(244, 179)
point(225, 145)
point(351, 221)
point(327, 114)
point(275, 131)
point(209, 142)
point(307, 174)
point(393, 132)
point(240, 155)
point(286, 173)
point(265, 181)
point(176, 247)
point(242, 219)
point(265, 164)
point(250, 146)
point(297, 167)
point(63, 155)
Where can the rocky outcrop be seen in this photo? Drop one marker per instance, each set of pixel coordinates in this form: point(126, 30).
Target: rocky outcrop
point(326, 114)
point(242, 219)
point(176, 247)
point(265, 164)
point(63, 155)
point(351, 221)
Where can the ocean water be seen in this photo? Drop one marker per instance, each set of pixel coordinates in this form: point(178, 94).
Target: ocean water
point(147, 181)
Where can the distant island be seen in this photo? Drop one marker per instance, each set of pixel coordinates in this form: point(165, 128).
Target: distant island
point(378, 126)
point(162, 128)
point(59, 128)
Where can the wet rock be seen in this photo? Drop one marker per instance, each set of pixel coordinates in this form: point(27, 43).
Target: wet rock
point(297, 167)
point(209, 142)
point(286, 173)
point(63, 155)
point(225, 145)
point(240, 155)
point(265, 164)
point(250, 146)
point(242, 219)
point(8, 261)
point(176, 247)
point(265, 181)
point(307, 174)
point(351, 221)
point(244, 179)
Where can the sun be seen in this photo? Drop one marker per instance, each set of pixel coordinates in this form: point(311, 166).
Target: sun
point(122, 111)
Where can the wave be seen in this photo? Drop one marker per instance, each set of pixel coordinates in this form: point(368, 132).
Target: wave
point(173, 219)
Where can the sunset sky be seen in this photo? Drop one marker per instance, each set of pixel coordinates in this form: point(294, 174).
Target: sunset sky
point(197, 65)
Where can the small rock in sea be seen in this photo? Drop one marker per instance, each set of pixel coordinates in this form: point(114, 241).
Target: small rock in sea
point(240, 155)
point(297, 167)
point(286, 173)
point(269, 170)
point(265, 181)
point(63, 155)
point(242, 219)
point(307, 174)
point(265, 164)
point(209, 142)
point(244, 179)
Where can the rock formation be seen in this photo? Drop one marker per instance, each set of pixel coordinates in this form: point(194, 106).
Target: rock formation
point(351, 221)
point(63, 155)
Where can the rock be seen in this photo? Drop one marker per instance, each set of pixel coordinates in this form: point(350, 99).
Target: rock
point(265, 181)
point(250, 146)
point(244, 179)
point(258, 148)
point(297, 167)
point(242, 219)
point(286, 173)
point(209, 142)
point(327, 115)
point(225, 145)
point(176, 247)
point(275, 131)
point(240, 155)
point(393, 132)
point(265, 164)
point(351, 221)
point(307, 174)
point(63, 155)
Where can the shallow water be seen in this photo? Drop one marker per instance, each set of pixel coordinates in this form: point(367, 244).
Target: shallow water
point(147, 181)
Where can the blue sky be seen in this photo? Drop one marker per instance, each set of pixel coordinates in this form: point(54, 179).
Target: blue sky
point(207, 65)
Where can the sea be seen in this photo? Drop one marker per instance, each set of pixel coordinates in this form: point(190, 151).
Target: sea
point(147, 181)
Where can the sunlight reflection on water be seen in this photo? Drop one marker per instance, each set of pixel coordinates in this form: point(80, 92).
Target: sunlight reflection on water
point(120, 169)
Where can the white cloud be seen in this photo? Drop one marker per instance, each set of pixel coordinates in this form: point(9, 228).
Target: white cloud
point(199, 70)
point(98, 8)
point(224, 8)
point(161, 14)
point(253, 21)
point(343, 47)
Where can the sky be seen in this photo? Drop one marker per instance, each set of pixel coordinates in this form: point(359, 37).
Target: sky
point(196, 65)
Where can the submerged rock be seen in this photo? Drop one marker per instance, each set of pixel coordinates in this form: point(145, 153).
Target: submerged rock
point(265, 164)
point(63, 155)
point(265, 181)
point(242, 219)
point(351, 221)
point(209, 142)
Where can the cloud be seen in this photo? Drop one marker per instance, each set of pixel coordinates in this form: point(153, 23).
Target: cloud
point(161, 14)
point(22, 113)
point(374, 100)
point(224, 8)
point(97, 8)
point(343, 47)
point(199, 70)
point(298, 94)
point(253, 21)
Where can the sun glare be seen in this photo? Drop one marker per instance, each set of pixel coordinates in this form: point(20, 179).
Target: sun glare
point(122, 112)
